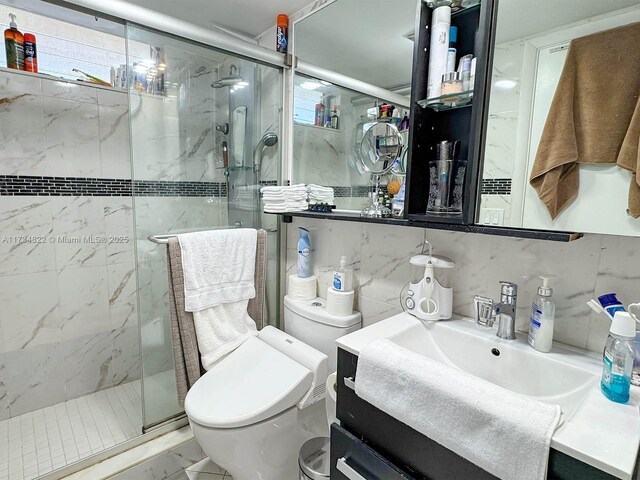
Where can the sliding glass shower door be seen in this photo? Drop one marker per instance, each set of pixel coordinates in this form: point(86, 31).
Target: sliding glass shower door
point(197, 119)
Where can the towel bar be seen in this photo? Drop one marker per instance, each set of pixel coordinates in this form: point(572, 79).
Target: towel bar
point(163, 239)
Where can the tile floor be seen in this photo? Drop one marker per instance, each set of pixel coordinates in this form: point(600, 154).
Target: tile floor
point(44, 440)
point(203, 470)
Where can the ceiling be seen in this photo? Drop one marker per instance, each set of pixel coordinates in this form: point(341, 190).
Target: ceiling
point(362, 39)
point(248, 17)
point(524, 18)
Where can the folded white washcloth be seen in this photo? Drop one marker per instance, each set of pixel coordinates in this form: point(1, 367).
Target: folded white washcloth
point(319, 188)
point(218, 267)
point(502, 432)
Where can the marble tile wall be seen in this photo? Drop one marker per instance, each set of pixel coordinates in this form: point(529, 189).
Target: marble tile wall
point(585, 268)
point(68, 325)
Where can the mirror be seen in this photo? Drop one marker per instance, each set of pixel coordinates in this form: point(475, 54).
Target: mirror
point(329, 155)
point(238, 131)
point(380, 149)
point(377, 48)
point(563, 127)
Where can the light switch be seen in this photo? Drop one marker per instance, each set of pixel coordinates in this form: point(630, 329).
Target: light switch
point(492, 216)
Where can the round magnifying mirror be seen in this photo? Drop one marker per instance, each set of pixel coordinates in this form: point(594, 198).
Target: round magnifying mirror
point(380, 148)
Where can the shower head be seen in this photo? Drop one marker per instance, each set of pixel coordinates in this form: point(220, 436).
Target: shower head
point(269, 139)
point(232, 79)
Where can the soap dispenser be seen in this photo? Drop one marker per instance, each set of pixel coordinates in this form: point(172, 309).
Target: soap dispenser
point(14, 45)
point(543, 312)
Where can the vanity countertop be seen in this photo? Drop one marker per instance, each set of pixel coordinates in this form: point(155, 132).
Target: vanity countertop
point(600, 433)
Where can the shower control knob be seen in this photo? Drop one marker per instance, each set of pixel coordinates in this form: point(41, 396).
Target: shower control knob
point(409, 302)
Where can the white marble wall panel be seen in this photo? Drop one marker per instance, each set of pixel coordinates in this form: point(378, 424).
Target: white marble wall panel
point(22, 120)
point(71, 137)
point(584, 269)
point(503, 110)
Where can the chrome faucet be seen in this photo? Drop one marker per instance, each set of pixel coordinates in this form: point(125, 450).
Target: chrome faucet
point(486, 312)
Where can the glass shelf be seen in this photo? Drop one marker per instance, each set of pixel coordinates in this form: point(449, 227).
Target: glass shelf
point(448, 102)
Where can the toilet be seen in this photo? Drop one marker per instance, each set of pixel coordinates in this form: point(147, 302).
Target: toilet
point(309, 321)
point(254, 409)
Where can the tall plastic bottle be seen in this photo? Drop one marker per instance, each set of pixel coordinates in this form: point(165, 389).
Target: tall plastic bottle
point(343, 276)
point(542, 320)
point(14, 45)
point(304, 253)
point(617, 359)
point(438, 50)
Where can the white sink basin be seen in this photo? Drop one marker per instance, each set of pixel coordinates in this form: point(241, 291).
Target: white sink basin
point(566, 376)
point(512, 364)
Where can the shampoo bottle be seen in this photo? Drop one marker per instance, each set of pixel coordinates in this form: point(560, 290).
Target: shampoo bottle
point(543, 312)
point(617, 359)
point(343, 276)
point(14, 45)
point(304, 253)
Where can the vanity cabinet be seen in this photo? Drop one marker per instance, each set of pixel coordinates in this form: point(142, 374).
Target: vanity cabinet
point(376, 446)
point(464, 122)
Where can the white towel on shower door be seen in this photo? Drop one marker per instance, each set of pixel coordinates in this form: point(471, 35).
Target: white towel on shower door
point(502, 432)
point(218, 267)
point(222, 329)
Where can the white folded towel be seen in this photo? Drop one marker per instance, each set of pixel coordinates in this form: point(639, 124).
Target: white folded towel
point(218, 267)
point(222, 329)
point(502, 432)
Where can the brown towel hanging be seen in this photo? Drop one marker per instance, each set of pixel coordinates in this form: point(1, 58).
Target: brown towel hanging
point(594, 117)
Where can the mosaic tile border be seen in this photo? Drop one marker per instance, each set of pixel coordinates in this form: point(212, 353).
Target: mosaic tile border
point(106, 187)
point(496, 186)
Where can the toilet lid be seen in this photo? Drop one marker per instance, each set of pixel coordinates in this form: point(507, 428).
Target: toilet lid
point(251, 384)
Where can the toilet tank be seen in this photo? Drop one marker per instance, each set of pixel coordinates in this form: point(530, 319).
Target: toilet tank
point(309, 322)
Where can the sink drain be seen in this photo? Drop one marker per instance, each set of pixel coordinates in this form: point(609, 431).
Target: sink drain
point(495, 351)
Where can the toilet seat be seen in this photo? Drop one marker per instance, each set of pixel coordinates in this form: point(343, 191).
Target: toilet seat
point(253, 383)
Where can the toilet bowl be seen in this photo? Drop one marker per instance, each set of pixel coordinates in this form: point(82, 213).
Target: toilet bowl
point(253, 410)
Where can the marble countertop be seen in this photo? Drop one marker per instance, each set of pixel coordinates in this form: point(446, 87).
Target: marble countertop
point(601, 433)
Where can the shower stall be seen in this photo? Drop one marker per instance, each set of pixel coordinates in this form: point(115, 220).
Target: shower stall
point(93, 179)
point(212, 137)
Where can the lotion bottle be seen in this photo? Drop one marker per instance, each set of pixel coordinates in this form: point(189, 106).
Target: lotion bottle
point(438, 49)
point(543, 312)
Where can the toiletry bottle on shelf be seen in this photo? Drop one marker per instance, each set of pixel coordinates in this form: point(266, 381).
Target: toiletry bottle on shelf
point(404, 124)
point(438, 49)
point(14, 45)
point(335, 120)
point(304, 253)
point(343, 276)
point(281, 33)
point(617, 360)
point(451, 53)
point(543, 312)
point(319, 114)
point(30, 53)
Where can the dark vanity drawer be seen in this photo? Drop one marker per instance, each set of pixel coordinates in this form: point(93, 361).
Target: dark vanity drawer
point(351, 459)
point(418, 455)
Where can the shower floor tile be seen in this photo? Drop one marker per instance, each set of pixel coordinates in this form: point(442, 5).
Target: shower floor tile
point(44, 440)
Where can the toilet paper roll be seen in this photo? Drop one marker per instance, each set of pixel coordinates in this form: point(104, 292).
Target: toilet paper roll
point(339, 303)
point(302, 288)
point(330, 398)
